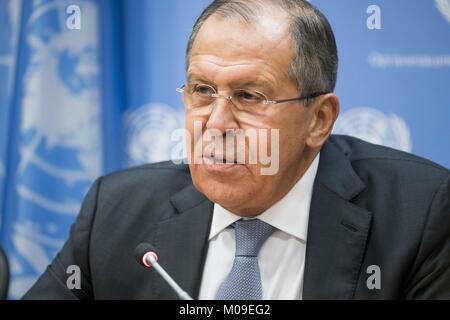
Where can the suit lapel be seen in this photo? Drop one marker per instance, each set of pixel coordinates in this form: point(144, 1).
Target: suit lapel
point(337, 234)
point(182, 243)
point(337, 230)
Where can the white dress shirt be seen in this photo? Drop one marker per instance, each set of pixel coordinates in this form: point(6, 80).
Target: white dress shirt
point(281, 258)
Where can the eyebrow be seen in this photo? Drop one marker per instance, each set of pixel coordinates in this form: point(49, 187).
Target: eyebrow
point(239, 84)
point(256, 83)
point(195, 77)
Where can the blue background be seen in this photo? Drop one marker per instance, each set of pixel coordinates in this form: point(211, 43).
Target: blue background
point(122, 68)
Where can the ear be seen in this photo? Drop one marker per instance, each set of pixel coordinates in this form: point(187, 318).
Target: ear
point(325, 112)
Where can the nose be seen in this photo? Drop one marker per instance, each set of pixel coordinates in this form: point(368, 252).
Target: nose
point(222, 117)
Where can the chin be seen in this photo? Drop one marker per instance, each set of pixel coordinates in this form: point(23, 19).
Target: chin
point(227, 195)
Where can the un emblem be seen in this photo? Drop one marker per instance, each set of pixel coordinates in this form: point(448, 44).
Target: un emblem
point(376, 127)
point(148, 131)
point(444, 7)
point(60, 131)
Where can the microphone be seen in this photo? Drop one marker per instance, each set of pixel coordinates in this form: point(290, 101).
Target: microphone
point(147, 256)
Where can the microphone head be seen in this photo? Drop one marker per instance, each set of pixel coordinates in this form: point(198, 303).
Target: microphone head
point(142, 251)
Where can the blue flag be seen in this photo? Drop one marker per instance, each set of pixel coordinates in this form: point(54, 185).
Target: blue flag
point(87, 87)
point(54, 141)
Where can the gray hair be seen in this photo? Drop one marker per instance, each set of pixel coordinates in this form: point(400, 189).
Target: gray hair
point(315, 63)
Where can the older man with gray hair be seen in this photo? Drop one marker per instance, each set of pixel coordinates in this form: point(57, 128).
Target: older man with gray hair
point(339, 219)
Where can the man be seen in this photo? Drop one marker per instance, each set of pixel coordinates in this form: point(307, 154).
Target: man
point(339, 219)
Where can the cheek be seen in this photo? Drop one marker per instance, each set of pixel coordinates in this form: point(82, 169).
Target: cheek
point(194, 127)
point(293, 137)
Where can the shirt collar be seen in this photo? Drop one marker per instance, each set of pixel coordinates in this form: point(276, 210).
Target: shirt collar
point(289, 215)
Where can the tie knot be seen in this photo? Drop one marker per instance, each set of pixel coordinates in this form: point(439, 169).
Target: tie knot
point(250, 236)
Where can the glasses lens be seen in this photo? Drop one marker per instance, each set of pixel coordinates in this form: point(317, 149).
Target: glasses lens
point(249, 100)
point(200, 95)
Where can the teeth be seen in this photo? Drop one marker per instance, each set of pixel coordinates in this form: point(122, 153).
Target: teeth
point(220, 160)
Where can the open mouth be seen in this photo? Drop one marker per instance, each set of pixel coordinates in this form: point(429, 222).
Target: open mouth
point(219, 159)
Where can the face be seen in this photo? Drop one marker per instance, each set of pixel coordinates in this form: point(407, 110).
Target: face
point(229, 55)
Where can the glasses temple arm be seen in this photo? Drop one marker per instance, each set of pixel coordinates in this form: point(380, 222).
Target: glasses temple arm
point(311, 96)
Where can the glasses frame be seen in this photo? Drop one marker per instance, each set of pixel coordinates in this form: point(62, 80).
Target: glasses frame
point(266, 101)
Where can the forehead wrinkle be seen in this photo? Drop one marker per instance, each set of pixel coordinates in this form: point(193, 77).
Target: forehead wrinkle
point(275, 21)
point(222, 62)
point(254, 74)
point(270, 27)
point(244, 44)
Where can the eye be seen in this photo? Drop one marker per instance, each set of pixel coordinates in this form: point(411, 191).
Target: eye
point(204, 90)
point(249, 96)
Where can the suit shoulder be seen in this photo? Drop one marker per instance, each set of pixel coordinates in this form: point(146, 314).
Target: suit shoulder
point(364, 154)
point(153, 178)
point(152, 171)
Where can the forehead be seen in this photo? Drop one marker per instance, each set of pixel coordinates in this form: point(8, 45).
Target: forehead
point(231, 46)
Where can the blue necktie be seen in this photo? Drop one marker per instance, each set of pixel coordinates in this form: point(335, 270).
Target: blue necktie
point(244, 280)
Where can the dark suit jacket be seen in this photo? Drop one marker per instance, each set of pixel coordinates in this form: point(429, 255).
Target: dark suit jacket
point(371, 205)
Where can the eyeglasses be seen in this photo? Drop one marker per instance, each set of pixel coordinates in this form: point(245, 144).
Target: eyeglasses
point(202, 95)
